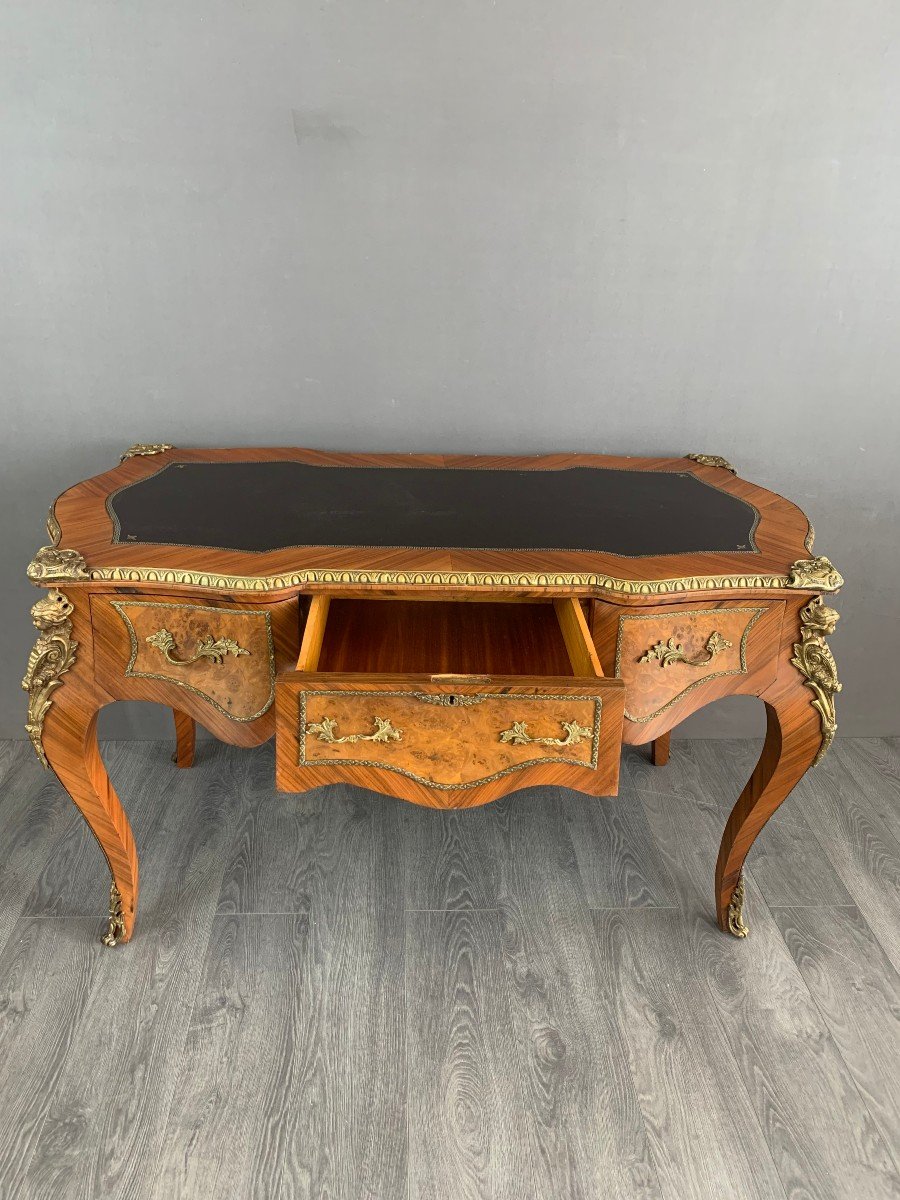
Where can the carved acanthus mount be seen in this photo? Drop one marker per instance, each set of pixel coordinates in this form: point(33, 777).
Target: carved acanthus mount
point(712, 460)
point(52, 564)
point(813, 658)
point(815, 573)
point(144, 449)
point(52, 656)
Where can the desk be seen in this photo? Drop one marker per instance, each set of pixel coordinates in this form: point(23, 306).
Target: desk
point(445, 629)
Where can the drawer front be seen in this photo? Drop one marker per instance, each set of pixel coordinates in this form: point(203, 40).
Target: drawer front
point(664, 656)
point(223, 656)
point(458, 747)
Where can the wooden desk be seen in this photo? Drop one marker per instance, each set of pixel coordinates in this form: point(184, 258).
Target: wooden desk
point(442, 629)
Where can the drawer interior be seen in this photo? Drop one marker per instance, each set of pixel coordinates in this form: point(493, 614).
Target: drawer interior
point(385, 636)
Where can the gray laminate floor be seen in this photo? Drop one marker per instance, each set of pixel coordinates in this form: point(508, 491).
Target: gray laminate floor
point(341, 995)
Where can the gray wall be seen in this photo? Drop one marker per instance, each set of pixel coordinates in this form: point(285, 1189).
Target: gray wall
point(513, 226)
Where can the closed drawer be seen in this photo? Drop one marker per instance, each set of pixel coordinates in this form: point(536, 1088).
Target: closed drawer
point(204, 658)
point(677, 657)
point(450, 740)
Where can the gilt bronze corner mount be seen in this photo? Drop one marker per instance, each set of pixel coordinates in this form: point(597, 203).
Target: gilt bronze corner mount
point(145, 449)
point(816, 573)
point(52, 564)
point(712, 460)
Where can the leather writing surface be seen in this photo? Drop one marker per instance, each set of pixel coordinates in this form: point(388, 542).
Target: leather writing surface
point(260, 506)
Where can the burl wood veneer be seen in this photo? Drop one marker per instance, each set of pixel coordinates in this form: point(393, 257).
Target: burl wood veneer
point(446, 629)
point(468, 731)
point(218, 664)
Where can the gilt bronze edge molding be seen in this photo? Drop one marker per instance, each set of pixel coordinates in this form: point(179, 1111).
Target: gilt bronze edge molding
point(545, 579)
point(52, 564)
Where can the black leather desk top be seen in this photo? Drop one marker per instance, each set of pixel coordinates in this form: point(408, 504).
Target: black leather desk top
point(263, 506)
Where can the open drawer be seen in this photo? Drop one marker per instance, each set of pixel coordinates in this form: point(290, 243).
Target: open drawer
point(448, 704)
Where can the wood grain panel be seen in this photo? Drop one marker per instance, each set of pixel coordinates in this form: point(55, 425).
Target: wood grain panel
point(645, 639)
point(233, 698)
point(448, 755)
point(408, 636)
point(449, 746)
point(577, 636)
point(240, 684)
point(658, 697)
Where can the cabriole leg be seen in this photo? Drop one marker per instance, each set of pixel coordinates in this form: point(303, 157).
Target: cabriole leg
point(185, 739)
point(800, 726)
point(659, 750)
point(62, 723)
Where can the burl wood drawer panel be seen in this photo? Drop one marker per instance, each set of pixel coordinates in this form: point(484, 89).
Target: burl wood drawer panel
point(224, 656)
point(451, 747)
point(668, 655)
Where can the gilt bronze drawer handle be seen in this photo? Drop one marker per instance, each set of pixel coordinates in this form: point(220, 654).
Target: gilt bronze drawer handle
point(672, 652)
point(215, 649)
point(519, 735)
point(384, 732)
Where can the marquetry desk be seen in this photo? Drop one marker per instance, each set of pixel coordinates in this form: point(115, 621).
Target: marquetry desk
point(445, 629)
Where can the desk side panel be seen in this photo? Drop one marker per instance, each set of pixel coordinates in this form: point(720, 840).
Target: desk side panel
point(677, 658)
point(218, 664)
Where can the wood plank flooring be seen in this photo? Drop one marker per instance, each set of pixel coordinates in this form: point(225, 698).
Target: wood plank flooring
point(342, 996)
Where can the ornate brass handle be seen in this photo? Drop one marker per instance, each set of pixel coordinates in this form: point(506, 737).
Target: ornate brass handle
point(209, 647)
point(672, 652)
point(519, 735)
point(384, 732)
